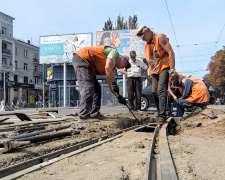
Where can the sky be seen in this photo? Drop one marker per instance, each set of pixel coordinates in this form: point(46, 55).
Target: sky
point(196, 26)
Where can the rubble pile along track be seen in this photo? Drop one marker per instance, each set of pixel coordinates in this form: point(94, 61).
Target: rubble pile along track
point(155, 165)
point(31, 126)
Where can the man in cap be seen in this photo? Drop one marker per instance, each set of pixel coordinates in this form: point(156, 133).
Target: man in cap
point(161, 59)
point(89, 62)
point(196, 94)
point(134, 81)
point(175, 91)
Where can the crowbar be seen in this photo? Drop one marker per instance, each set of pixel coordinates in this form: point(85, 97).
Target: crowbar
point(136, 120)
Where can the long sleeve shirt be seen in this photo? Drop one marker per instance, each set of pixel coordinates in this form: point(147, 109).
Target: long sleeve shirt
point(187, 88)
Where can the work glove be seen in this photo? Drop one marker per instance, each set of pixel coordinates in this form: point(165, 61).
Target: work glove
point(115, 87)
point(172, 73)
point(121, 100)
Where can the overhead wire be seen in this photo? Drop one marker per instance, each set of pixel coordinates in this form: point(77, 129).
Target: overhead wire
point(173, 31)
point(218, 39)
point(192, 61)
point(197, 44)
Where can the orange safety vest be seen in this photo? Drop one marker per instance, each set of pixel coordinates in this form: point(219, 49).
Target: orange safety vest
point(180, 88)
point(157, 59)
point(95, 57)
point(199, 91)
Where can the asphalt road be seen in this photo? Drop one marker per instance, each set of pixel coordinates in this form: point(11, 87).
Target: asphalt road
point(104, 110)
point(69, 110)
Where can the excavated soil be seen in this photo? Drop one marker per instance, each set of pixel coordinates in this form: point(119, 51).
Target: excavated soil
point(124, 158)
point(199, 149)
point(106, 127)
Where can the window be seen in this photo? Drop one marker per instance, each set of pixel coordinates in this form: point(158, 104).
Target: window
point(4, 45)
point(15, 78)
point(25, 66)
point(4, 61)
point(4, 30)
point(25, 80)
point(16, 64)
point(36, 80)
point(16, 50)
point(36, 55)
point(35, 68)
point(25, 53)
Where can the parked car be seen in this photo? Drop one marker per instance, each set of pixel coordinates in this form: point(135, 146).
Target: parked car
point(211, 92)
point(147, 99)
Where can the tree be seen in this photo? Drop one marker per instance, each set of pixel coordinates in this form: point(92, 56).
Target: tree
point(132, 22)
point(121, 23)
point(216, 77)
point(108, 25)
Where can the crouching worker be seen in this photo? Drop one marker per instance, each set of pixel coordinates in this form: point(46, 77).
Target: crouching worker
point(195, 94)
point(175, 92)
point(89, 62)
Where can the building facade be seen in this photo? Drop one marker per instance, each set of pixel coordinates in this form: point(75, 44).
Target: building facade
point(56, 90)
point(21, 60)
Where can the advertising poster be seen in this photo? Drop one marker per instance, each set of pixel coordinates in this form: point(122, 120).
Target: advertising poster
point(60, 48)
point(124, 40)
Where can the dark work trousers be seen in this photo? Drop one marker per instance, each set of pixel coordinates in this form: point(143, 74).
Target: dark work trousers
point(159, 90)
point(183, 103)
point(89, 87)
point(170, 99)
point(134, 89)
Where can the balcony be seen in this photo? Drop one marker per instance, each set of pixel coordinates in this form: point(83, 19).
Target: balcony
point(38, 86)
point(7, 67)
point(6, 52)
point(35, 60)
point(37, 74)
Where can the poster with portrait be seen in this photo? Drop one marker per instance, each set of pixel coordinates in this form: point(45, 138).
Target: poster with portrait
point(123, 40)
point(60, 48)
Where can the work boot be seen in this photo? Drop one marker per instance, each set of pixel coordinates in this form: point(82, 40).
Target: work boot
point(160, 120)
point(99, 116)
point(170, 114)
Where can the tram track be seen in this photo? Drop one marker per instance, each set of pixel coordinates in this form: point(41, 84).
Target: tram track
point(152, 170)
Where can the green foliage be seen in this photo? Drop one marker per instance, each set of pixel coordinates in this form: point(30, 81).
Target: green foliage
point(132, 21)
point(121, 23)
point(216, 77)
point(108, 25)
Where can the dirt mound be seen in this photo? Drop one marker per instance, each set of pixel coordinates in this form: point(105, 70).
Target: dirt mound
point(198, 151)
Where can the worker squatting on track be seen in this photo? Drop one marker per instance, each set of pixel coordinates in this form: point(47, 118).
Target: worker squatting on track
point(195, 94)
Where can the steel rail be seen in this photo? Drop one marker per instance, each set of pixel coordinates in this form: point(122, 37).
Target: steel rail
point(150, 168)
point(34, 124)
point(12, 172)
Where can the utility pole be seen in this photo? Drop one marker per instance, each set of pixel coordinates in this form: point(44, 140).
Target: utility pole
point(4, 93)
point(5, 80)
point(43, 77)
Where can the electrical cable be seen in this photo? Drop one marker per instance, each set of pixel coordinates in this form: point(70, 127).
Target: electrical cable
point(218, 39)
point(174, 31)
point(196, 44)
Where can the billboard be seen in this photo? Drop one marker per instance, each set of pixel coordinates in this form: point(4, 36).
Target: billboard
point(123, 40)
point(60, 48)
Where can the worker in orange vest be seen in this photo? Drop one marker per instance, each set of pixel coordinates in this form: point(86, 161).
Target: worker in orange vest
point(89, 62)
point(175, 92)
point(161, 59)
point(196, 94)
